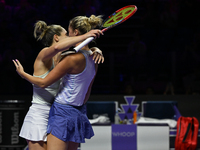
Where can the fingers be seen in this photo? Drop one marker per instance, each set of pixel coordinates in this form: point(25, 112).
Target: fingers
point(102, 61)
point(95, 58)
point(100, 32)
point(97, 33)
point(98, 58)
point(15, 63)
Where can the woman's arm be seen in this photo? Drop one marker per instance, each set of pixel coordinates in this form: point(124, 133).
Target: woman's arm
point(96, 53)
point(58, 72)
point(66, 43)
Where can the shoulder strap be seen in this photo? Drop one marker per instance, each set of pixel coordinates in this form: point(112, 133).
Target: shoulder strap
point(187, 131)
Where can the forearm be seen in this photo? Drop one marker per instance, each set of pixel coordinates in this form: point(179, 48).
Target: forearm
point(34, 80)
point(68, 42)
point(71, 41)
point(61, 46)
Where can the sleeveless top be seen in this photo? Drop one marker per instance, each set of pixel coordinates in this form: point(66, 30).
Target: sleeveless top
point(45, 95)
point(74, 87)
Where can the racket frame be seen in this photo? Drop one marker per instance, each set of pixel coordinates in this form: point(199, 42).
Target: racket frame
point(88, 40)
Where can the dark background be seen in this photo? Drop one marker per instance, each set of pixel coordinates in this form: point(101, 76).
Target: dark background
point(156, 49)
point(153, 55)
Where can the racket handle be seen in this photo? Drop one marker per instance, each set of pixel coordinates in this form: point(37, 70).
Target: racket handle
point(85, 42)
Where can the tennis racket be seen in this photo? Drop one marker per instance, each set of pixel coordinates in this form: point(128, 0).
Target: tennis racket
point(111, 21)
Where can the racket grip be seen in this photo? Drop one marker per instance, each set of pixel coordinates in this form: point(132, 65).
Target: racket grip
point(85, 42)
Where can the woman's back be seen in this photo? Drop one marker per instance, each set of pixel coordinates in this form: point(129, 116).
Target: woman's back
point(74, 87)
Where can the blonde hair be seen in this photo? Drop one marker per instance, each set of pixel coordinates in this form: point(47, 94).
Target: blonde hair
point(84, 24)
point(45, 33)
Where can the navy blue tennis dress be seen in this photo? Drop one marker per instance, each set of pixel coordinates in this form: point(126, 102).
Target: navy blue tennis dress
point(68, 120)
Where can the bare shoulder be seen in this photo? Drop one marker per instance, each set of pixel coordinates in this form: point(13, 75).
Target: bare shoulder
point(73, 63)
point(41, 53)
point(41, 66)
point(74, 58)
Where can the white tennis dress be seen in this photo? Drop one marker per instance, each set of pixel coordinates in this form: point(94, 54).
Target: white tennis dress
point(35, 123)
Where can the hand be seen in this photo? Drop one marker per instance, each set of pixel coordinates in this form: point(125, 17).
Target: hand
point(97, 55)
point(19, 67)
point(94, 33)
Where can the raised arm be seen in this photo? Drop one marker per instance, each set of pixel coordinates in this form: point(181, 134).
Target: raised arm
point(66, 43)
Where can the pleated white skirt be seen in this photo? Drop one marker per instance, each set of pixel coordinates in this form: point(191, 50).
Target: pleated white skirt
point(35, 123)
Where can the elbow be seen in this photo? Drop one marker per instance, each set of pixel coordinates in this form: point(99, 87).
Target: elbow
point(42, 84)
point(56, 47)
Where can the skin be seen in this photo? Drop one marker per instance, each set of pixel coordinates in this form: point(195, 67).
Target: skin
point(75, 64)
point(43, 63)
point(53, 142)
